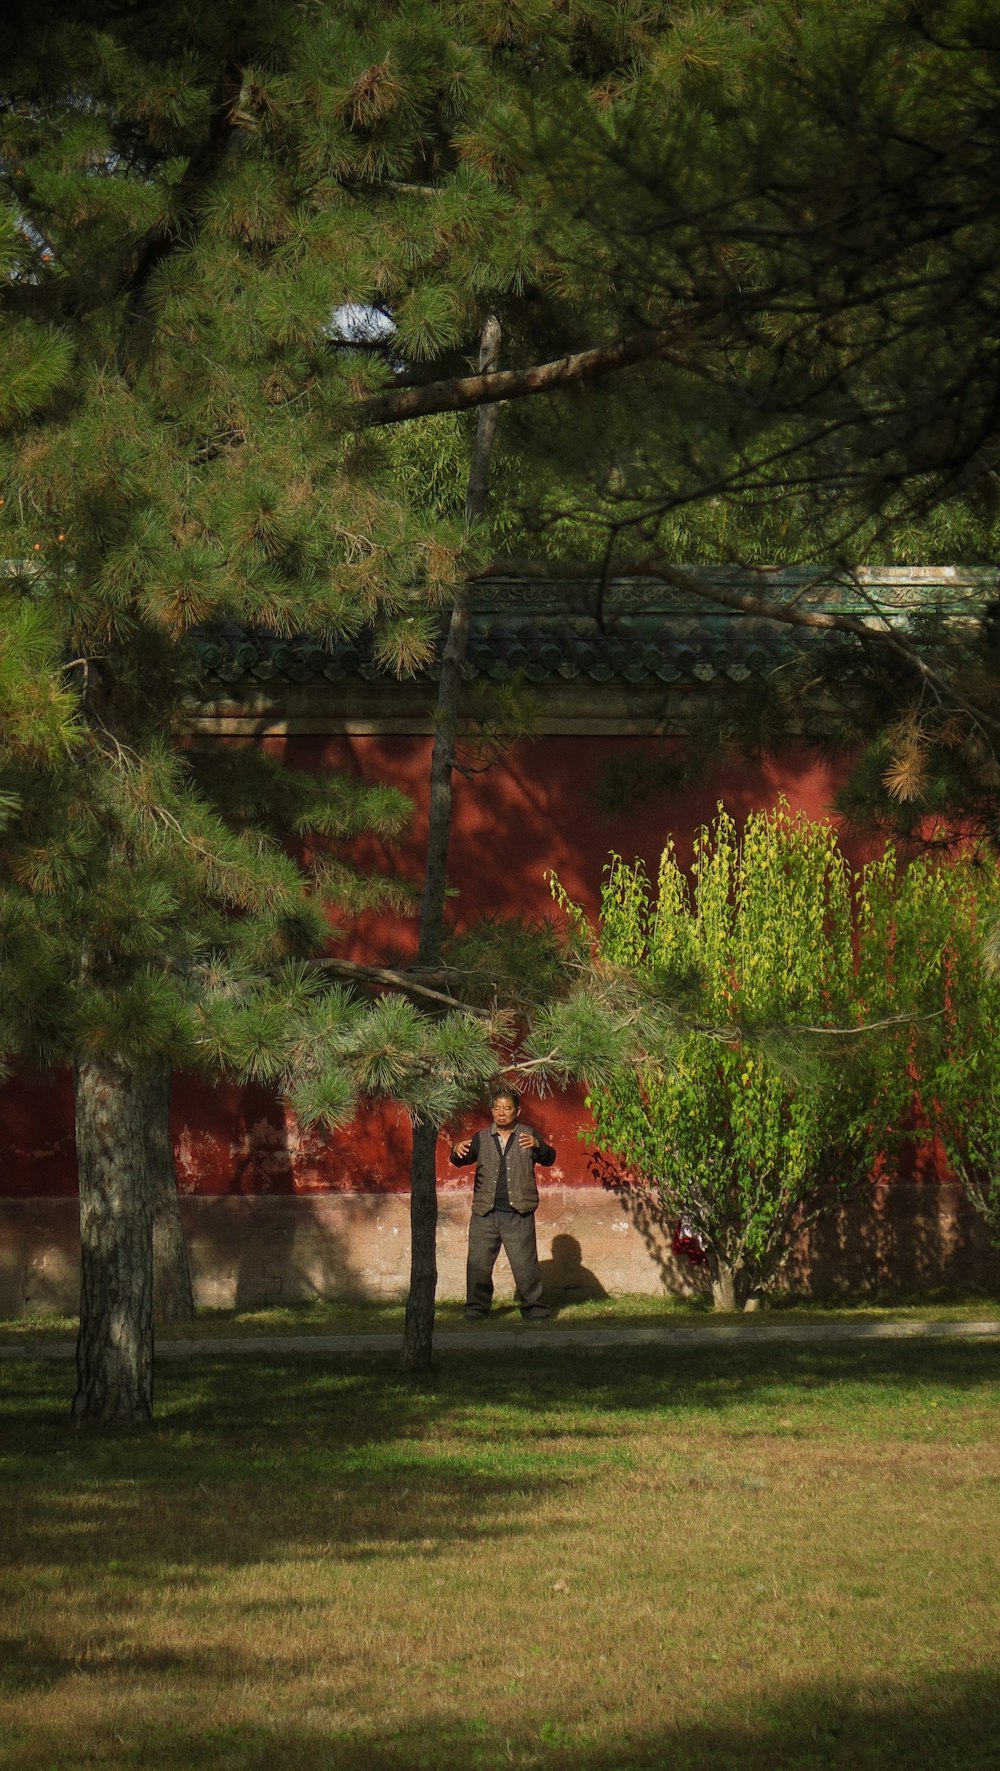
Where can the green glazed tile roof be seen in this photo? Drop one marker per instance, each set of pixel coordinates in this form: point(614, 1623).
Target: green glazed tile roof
point(631, 630)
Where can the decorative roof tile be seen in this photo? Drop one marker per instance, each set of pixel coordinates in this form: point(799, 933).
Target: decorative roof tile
point(632, 630)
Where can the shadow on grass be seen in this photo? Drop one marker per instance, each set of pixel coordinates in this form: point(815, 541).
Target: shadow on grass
point(229, 1409)
point(39, 1664)
point(334, 1462)
point(249, 1459)
point(123, 1546)
point(942, 1725)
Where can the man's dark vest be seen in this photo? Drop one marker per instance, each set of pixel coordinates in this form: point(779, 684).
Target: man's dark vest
point(520, 1173)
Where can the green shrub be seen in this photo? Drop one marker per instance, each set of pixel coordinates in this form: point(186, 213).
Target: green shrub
point(811, 1000)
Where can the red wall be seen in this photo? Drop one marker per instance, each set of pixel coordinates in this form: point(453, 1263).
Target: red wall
point(535, 811)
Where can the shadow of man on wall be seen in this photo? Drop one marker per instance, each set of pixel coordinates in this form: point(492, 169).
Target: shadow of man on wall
point(565, 1280)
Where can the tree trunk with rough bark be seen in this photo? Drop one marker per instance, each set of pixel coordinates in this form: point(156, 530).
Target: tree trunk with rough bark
point(173, 1298)
point(418, 1334)
point(114, 1349)
point(730, 1286)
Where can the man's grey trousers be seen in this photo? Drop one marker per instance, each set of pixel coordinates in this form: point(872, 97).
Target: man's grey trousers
point(515, 1233)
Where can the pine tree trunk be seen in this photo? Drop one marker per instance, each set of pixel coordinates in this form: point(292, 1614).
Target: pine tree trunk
point(418, 1334)
point(173, 1298)
point(114, 1349)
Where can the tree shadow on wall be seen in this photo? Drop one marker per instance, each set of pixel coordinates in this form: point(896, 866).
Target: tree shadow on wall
point(275, 1214)
point(641, 1206)
point(914, 1233)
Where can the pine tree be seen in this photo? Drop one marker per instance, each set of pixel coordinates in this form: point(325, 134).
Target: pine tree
point(200, 210)
point(787, 226)
point(187, 206)
point(789, 354)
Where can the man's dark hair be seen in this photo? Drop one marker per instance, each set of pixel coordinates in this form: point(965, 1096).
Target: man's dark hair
point(504, 1093)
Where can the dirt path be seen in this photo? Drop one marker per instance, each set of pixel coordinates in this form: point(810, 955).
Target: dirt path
point(510, 1337)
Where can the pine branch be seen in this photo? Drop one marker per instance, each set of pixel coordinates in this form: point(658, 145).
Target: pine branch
point(386, 977)
point(464, 391)
point(164, 238)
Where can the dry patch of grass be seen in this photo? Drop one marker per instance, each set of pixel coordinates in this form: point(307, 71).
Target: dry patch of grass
point(632, 1558)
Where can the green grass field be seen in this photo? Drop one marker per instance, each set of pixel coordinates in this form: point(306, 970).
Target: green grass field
point(345, 1317)
point(739, 1558)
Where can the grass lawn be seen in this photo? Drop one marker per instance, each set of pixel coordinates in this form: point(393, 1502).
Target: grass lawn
point(739, 1558)
point(326, 1317)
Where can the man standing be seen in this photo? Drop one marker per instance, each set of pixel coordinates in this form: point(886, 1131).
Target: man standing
point(504, 1200)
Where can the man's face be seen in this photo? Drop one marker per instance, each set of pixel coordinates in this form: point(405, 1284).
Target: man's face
point(504, 1112)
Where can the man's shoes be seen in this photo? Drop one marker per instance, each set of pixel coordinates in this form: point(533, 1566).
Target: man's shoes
point(537, 1313)
point(469, 1315)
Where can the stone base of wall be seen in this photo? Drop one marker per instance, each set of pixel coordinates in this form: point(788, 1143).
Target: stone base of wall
point(268, 1249)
